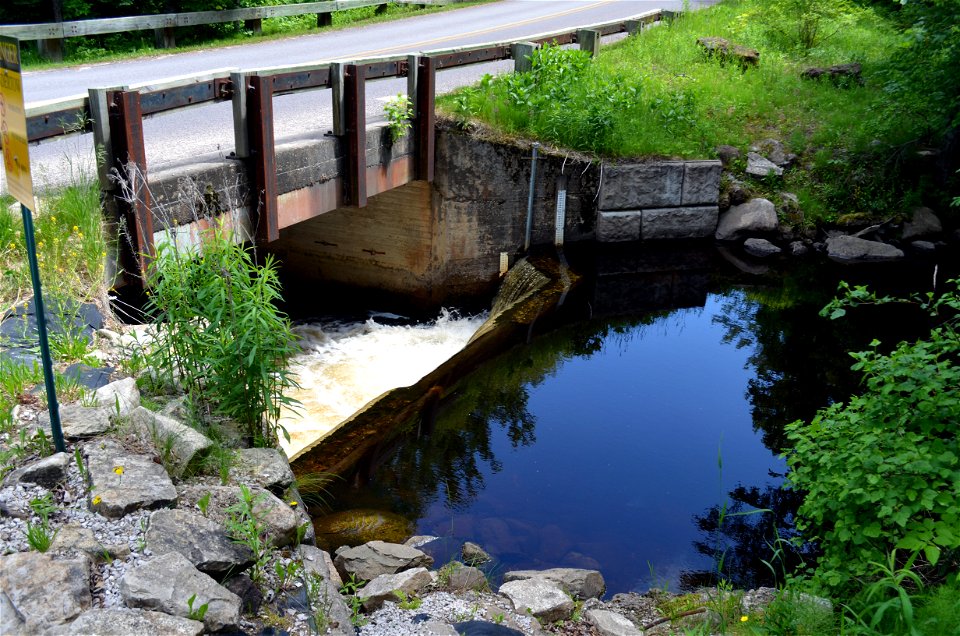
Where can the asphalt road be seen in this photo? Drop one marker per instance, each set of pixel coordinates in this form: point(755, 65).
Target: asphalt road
point(180, 135)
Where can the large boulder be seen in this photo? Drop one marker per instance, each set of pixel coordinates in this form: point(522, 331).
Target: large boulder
point(359, 525)
point(80, 422)
point(581, 584)
point(122, 621)
point(756, 216)
point(923, 222)
point(166, 583)
point(123, 482)
point(42, 591)
point(265, 467)
point(183, 447)
point(46, 472)
point(278, 519)
point(761, 248)
point(760, 166)
point(611, 623)
point(322, 578)
point(122, 396)
point(726, 51)
point(849, 249)
point(384, 587)
point(370, 560)
point(202, 541)
point(542, 599)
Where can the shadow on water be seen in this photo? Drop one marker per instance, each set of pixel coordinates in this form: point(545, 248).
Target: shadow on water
point(586, 434)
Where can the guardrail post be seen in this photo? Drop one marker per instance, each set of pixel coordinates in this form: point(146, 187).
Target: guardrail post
point(336, 93)
point(126, 139)
point(264, 158)
point(634, 26)
point(356, 130)
point(413, 66)
point(165, 38)
point(241, 132)
point(522, 53)
point(324, 19)
point(426, 118)
point(589, 41)
point(255, 25)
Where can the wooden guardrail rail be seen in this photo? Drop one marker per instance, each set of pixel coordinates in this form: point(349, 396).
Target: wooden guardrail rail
point(115, 116)
point(53, 33)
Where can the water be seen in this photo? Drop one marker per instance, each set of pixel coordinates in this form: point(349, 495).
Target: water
point(611, 434)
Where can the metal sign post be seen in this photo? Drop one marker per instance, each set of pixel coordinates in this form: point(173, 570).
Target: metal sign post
point(16, 163)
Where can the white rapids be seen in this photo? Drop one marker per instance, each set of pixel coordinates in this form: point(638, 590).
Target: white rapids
point(343, 366)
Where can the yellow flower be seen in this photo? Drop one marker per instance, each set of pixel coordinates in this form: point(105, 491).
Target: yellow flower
point(80, 234)
point(76, 228)
point(40, 244)
point(293, 503)
point(97, 500)
point(13, 246)
point(53, 218)
point(744, 619)
point(118, 470)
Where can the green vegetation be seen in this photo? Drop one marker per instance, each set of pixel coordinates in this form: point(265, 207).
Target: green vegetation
point(657, 93)
point(398, 111)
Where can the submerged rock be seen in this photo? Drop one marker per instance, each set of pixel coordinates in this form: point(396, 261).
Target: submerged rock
point(849, 249)
point(354, 527)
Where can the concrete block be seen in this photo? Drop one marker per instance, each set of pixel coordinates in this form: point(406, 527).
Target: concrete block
point(642, 185)
point(679, 223)
point(618, 226)
point(701, 182)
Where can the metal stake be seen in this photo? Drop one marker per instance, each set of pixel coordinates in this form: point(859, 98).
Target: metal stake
point(533, 180)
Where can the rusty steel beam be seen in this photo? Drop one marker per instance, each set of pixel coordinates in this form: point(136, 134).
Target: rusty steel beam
point(426, 118)
point(218, 89)
point(58, 123)
point(559, 39)
point(263, 158)
point(378, 70)
point(465, 58)
point(126, 136)
point(300, 80)
point(354, 97)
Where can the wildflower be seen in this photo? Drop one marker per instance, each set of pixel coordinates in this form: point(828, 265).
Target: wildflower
point(293, 503)
point(40, 244)
point(80, 234)
point(76, 228)
point(119, 471)
point(744, 619)
point(103, 254)
point(13, 246)
point(53, 218)
point(97, 500)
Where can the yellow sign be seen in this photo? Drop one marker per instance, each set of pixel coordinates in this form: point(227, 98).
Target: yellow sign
point(13, 124)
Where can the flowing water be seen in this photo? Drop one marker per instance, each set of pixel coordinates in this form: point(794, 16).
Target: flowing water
point(626, 431)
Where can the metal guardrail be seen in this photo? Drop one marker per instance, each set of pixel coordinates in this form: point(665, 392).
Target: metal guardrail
point(100, 26)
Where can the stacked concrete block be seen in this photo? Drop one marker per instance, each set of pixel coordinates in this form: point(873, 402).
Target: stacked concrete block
point(658, 200)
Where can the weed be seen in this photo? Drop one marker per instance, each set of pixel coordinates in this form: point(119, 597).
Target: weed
point(349, 590)
point(398, 111)
point(245, 527)
point(198, 613)
point(406, 602)
point(317, 588)
point(498, 619)
point(285, 573)
point(203, 503)
point(313, 488)
point(39, 536)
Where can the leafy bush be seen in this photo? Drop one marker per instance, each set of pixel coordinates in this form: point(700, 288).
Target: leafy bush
point(880, 472)
point(220, 331)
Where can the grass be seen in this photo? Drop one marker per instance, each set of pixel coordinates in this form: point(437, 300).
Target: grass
point(126, 46)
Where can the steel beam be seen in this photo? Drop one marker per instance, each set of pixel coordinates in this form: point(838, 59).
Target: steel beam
point(126, 137)
point(263, 158)
point(426, 118)
point(354, 95)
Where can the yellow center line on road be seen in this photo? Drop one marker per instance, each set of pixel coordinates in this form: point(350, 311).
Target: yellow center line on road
point(509, 25)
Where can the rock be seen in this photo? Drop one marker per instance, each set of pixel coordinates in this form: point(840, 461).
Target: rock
point(382, 588)
point(182, 447)
point(44, 591)
point(467, 578)
point(473, 554)
point(701, 182)
point(165, 583)
point(581, 584)
point(843, 75)
point(87, 376)
point(613, 227)
point(651, 184)
point(12, 622)
point(798, 248)
point(756, 216)
point(775, 152)
point(46, 472)
point(142, 483)
point(612, 624)
point(265, 467)
point(374, 558)
point(679, 223)
point(748, 266)
point(923, 247)
point(251, 598)
point(80, 422)
point(739, 192)
point(761, 248)
point(419, 540)
point(542, 599)
point(120, 621)
point(727, 155)
point(357, 526)
point(122, 394)
point(923, 222)
point(848, 249)
point(760, 166)
point(76, 538)
point(277, 518)
point(319, 570)
point(202, 541)
point(725, 51)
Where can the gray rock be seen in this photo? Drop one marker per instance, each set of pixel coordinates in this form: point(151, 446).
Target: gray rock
point(32, 581)
point(202, 541)
point(739, 192)
point(467, 578)
point(655, 184)
point(923, 247)
point(370, 560)
point(760, 166)
point(121, 621)
point(727, 154)
point(122, 394)
point(472, 554)
point(80, 422)
point(679, 223)
point(187, 446)
point(923, 222)
point(278, 519)
point(418, 540)
point(265, 467)
point(434, 628)
point(143, 484)
point(615, 227)
point(46, 472)
point(756, 216)
point(318, 570)
point(12, 622)
point(848, 249)
point(701, 182)
point(166, 583)
point(612, 624)
point(542, 599)
point(581, 584)
point(251, 597)
point(776, 153)
point(761, 248)
point(798, 248)
point(76, 538)
point(382, 588)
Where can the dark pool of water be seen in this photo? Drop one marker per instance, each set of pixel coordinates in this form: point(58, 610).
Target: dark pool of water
point(615, 441)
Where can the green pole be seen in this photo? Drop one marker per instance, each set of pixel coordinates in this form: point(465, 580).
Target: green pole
point(52, 405)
